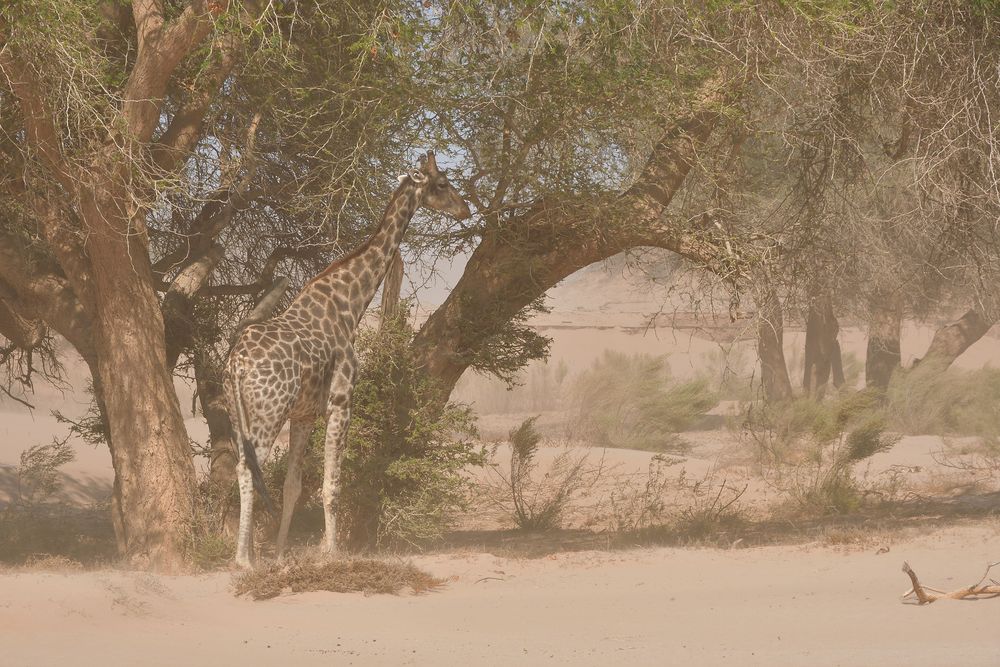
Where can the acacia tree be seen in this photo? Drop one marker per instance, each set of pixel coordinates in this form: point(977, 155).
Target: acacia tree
point(129, 156)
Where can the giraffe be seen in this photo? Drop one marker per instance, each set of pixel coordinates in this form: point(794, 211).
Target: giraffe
point(301, 364)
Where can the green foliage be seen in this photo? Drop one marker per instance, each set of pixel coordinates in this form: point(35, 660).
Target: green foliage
point(90, 426)
point(929, 400)
point(629, 401)
point(509, 346)
point(406, 452)
point(809, 449)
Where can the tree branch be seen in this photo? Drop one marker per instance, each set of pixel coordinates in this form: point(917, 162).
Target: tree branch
point(185, 128)
point(517, 262)
point(45, 296)
point(162, 47)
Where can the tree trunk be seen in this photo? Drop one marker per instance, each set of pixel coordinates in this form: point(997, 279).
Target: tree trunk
point(222, 464)
point(951, 340)
point(883, 354)
point(822, 351)
point(150, 449)
point(770, 346)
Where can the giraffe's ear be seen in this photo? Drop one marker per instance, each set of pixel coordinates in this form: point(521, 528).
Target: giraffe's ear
point(430, 163)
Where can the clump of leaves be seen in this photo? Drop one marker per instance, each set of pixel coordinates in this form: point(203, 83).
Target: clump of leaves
point(630, 401)
point(38, 470)
point(342, 576)
point(809, 449)
point(532, 499)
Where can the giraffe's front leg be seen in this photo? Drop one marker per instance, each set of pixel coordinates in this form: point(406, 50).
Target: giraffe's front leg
point(336, 436)
point(337, 424)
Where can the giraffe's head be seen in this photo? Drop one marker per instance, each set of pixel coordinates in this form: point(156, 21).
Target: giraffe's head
point(438, 192)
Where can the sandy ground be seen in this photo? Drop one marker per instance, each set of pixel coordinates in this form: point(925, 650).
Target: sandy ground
point(784, 605)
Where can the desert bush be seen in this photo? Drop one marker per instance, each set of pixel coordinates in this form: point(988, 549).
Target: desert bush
point(636, 502)
point(808, 449)
point(38, 470)
point(209, 545)
point(402, 475)
point(679, 505)
point(927, 400)
point(630, 401)
point(342, 576)
point(532, 501)
point(707, 505)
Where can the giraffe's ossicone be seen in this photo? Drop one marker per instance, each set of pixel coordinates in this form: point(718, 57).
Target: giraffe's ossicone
point(300, 364)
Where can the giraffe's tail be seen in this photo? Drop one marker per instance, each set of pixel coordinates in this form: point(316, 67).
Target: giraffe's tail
point(250, 451)
point(250, 456)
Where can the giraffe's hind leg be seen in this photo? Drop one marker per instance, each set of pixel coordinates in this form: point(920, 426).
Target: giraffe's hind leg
point(245, 532)
point(298, 439)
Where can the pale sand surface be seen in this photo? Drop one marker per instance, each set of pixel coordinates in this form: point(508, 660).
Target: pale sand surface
point(785, 605)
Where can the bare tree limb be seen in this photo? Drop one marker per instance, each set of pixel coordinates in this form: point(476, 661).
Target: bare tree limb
point(977, 591)
point(265, 306)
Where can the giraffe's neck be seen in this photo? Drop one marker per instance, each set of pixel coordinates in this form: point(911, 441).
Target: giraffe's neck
point(348, 285)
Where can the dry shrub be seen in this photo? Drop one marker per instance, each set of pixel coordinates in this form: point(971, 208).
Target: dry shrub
point(641, 501)
point(929, 400)
point(52, 563)
point(341, 576)
point(630, 401)
point(679, 505)
point(534, 502)
point(708, 506)
point(38, 470)
point(808, 449)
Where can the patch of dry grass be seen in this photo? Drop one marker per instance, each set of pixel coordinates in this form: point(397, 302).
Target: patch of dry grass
point(52, 563)
point(360, 575)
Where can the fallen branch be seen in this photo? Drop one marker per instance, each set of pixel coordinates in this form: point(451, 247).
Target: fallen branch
point(978, 591)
